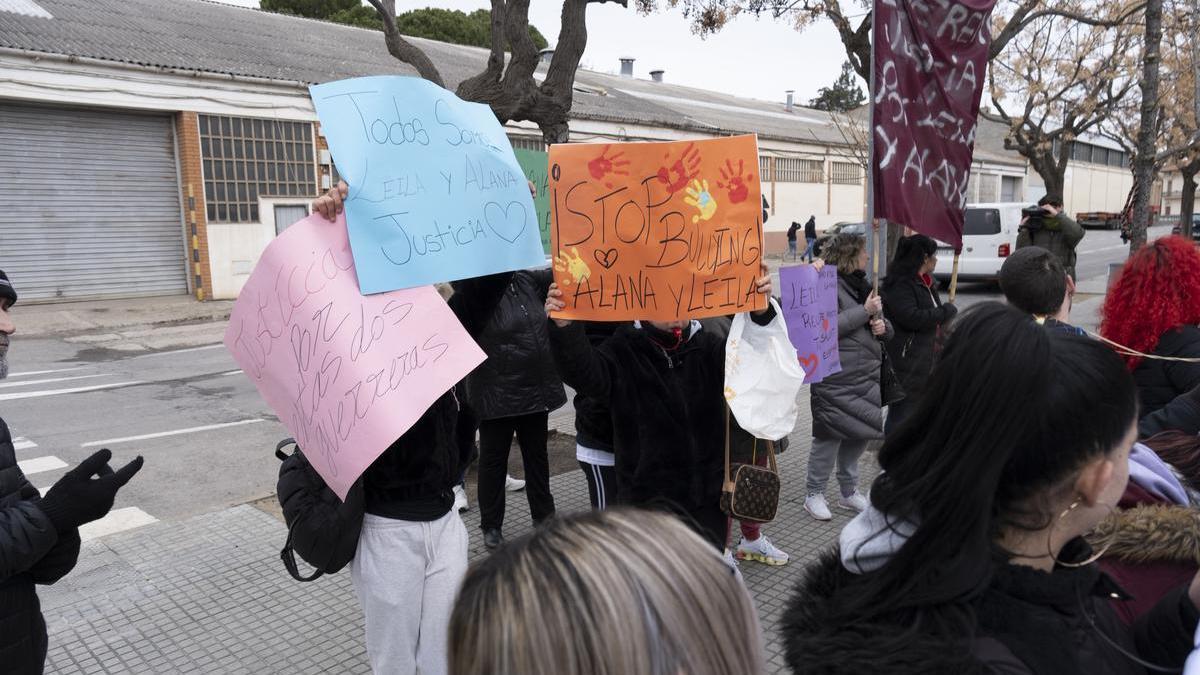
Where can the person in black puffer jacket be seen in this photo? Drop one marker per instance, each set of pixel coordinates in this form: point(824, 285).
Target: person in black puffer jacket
point(971, 556)
point(39, 536)
point(513, 391)
point(912, 303)
point(664, 383)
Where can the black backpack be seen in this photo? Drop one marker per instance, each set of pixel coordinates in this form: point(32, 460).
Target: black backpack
point(321, 528)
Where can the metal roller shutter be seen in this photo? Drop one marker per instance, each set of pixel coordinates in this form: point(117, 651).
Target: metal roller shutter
point(93, 207)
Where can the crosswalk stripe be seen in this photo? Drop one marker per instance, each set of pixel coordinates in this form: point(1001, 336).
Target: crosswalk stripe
point(56, 392)
point(22, 443)
point(176, 432)
point(45, 372)
point(117, 520)
point(40, 464)
point(30, 383)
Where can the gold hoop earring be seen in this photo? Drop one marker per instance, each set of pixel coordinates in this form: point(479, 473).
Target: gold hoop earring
point(1083, 563)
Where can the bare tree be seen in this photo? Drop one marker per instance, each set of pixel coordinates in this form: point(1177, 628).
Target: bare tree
point(1067, 77)
point(507, 85)
point(1147, 131)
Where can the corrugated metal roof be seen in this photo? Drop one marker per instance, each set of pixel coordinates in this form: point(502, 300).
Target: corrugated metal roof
point(204, 36)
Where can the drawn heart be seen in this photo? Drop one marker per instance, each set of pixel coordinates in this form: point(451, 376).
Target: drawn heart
point(809, 363)
point(825, 323)
point(507, 222)
point(607, 258)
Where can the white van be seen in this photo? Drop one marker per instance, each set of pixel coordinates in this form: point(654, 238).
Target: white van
point(989, 236)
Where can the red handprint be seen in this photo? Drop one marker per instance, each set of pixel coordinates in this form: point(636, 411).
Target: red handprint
point(604, 165)
point(735, 182)
point(677, 174)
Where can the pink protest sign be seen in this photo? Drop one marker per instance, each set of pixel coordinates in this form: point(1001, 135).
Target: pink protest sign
point(347, 374)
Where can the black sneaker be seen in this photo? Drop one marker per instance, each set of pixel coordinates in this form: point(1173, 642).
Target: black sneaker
point(492, 539)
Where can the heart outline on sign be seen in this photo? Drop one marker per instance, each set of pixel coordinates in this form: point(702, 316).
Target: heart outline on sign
point(606, 258)
point(506, 221)
point(809, 363)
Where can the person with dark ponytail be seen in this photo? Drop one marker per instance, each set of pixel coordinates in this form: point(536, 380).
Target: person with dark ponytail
point(971, 556)
point(911, 301)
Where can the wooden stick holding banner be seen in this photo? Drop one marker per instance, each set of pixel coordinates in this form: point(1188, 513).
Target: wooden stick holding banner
point(954, 276)
point(875, 255)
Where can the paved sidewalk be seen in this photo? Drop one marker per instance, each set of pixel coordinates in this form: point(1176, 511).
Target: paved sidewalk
point(209, 595)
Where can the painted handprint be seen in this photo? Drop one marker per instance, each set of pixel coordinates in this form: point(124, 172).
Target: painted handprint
point(572, 264)
point(734, 181)
point(699, 197)
point(675, 175)
point(602, 166)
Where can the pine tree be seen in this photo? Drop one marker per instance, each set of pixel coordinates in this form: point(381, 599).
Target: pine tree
point(843, 96)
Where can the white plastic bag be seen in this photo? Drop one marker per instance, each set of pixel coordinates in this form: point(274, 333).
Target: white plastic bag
point(762, 376)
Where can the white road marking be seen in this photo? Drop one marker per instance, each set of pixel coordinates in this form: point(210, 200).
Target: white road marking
point(117, 520)
point(181, 351)
point(56, 392)
point(22, 443)
point(1118, 247)
point(45, 372)
point(232, 372)
point(28, 383)
point(40, 464)
point(176, 432)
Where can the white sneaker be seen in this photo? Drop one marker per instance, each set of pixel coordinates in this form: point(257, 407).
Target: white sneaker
point(513, 484)
point(761, 550)
point(733, 565)
point(460, 499)
point(855, 502)
point(817, 507)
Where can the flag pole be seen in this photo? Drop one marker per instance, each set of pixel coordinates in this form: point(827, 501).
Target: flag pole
point(954, 276)
point(872, 221)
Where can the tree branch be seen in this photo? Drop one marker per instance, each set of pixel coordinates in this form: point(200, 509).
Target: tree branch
point(403, 49)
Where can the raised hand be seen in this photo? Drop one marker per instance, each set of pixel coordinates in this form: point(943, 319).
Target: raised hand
point(699, 197)
point(572, 264)
point(604, 165)
point(554, 303)
point(330, 204)
point(734, 181)
point(675, 175)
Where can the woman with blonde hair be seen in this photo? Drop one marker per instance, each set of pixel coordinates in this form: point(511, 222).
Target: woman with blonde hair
point(847, 407)
point(595, 594)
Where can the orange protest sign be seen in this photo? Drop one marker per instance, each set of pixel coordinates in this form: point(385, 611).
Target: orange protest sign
point(656, 231)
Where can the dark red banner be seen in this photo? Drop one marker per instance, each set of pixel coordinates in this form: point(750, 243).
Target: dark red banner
point(930, 68)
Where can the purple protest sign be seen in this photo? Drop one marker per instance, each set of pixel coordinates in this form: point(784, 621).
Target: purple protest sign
point(930, 62)
point(810, 310)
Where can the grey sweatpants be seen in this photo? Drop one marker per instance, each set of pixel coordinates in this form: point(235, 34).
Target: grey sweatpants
point(821, 458)
point(407, 575)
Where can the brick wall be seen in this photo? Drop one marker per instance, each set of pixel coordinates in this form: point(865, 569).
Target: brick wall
point(187, 134)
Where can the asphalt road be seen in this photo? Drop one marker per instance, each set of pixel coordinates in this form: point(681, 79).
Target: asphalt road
point(207, 436)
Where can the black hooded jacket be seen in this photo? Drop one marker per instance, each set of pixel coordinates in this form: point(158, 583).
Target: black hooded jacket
point(32, 552)
point(1028, 622)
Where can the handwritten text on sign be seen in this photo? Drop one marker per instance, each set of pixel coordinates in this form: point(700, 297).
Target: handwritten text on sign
point(534, 164)
point(810, 310)
point(436, 193)
point(657, 231)
point(346, 374)
point(930, 65)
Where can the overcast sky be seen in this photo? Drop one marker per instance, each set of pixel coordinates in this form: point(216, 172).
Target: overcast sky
point(759, 58)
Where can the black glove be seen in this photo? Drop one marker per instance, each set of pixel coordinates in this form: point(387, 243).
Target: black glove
point(948, 312)
point(86, 493)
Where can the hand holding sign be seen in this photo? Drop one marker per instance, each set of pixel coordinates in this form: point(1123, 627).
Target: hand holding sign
point(636, 239)
point(436, 193)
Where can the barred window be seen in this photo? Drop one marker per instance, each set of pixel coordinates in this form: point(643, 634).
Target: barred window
point(845, 173)
point(244, 158)
point(528, 143)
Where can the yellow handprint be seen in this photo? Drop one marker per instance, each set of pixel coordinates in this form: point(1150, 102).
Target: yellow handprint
point(699, 197)
point(573, 265)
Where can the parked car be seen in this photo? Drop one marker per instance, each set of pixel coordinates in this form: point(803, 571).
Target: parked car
point(989, 236)
point(857, 229)
point(1195, 227)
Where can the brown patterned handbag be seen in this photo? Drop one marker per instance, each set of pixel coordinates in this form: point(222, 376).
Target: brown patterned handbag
point(751, 494)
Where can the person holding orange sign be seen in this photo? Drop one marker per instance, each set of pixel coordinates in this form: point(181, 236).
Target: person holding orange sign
point(664, 383)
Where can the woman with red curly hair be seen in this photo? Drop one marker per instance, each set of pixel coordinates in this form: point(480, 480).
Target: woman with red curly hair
point(1154, 308)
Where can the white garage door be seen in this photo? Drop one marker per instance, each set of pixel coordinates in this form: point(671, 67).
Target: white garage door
point(92, 203)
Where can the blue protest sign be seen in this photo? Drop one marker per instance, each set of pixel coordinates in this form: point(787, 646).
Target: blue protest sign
point(436, 193)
